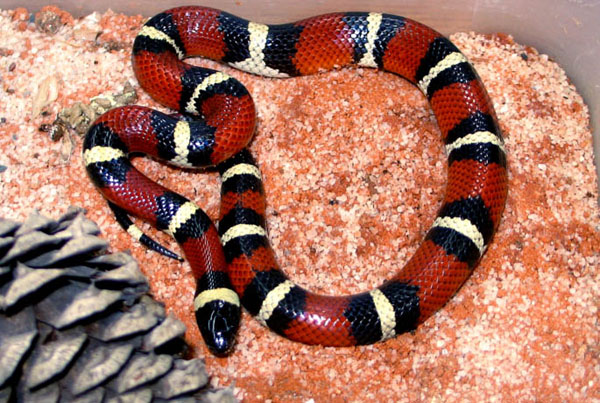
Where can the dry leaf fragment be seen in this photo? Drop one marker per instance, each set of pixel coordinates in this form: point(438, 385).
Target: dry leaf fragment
point(46, 94)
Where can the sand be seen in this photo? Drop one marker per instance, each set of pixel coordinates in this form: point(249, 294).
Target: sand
point(354, 173)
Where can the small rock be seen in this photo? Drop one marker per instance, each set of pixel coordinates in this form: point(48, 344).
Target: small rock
point(57, 129)
point(89, 28)
point(48, 22)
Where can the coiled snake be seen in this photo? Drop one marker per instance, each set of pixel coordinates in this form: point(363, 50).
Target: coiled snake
point(235, 265)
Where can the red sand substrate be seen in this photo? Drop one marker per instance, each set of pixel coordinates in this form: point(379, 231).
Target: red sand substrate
point(354, 173)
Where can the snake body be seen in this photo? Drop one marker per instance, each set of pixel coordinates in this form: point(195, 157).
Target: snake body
point(235, 265)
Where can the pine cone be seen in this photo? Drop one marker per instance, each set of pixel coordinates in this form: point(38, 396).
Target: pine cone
point(77, 324)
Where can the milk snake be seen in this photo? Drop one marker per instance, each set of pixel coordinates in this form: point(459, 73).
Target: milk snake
point(235, 265)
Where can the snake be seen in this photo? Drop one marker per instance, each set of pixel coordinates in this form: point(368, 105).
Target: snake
point(214, 120)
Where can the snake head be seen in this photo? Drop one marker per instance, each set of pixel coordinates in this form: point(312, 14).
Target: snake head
point(218, 322)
